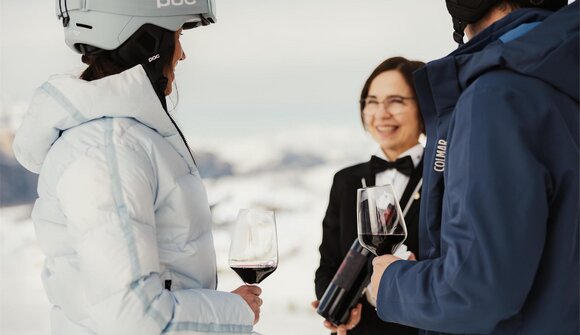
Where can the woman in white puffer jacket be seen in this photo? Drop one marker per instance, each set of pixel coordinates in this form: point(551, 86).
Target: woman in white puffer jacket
point(122, 214)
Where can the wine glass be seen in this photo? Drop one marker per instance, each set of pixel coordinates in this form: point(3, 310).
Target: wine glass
point(254, 247)
point(380, 222)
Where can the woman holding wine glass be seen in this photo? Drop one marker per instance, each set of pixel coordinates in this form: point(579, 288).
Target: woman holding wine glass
point(390, 114)
point(122, 214)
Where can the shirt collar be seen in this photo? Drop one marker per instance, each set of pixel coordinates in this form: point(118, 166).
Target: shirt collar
point(416, 153)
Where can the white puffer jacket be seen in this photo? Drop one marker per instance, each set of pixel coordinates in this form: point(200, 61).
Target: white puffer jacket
point(121, 209)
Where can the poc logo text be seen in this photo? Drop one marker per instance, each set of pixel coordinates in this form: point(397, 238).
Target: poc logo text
point(439, 165)
point(154, 57)
point(165, 3)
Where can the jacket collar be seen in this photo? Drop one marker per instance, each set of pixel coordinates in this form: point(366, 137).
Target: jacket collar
point(127, 94)
point(543, 53)
point(64, 102)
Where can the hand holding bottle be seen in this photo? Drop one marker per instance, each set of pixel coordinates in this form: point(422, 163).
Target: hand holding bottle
point(353, 320)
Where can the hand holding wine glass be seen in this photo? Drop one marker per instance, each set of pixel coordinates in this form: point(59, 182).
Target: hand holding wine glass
point(251, 295)
point(254, 253)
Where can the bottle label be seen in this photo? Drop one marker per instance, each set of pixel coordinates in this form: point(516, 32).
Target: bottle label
point(349, 269)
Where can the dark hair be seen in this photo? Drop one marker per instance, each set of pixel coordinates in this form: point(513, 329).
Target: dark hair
point(404, 66)
point(100, 65)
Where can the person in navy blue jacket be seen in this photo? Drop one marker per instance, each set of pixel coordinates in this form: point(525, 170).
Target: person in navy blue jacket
point(499, 225)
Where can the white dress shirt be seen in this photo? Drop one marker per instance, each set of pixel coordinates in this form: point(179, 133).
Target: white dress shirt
point(394, 177)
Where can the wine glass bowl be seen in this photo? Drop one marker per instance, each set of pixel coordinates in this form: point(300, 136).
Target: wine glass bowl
point(380, 222)
point(254, 248)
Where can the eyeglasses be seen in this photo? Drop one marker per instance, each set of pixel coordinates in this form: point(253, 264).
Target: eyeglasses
point(394, 104)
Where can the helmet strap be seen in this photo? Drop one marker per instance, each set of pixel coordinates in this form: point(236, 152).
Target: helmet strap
point(154, 70)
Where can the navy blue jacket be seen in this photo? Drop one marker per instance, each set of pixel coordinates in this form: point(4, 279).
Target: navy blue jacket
point(499, 223)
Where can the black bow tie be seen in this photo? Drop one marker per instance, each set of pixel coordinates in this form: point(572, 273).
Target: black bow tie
point(403, 165)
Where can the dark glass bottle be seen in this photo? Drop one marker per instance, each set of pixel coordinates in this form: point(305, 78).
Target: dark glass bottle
point(347, 285)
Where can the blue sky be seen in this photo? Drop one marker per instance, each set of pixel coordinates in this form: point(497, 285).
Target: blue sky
point(266, 65)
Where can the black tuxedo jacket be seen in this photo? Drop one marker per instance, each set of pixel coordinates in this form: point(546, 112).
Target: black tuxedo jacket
point(339, 230)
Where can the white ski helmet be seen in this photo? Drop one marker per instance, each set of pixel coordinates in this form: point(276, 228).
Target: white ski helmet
point(106, 24)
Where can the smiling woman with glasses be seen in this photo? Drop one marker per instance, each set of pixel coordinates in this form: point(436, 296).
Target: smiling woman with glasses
point(390, 114)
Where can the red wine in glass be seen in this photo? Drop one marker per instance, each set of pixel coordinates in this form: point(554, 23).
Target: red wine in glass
point(253, 274)
point(254, 247)
point(382, 244)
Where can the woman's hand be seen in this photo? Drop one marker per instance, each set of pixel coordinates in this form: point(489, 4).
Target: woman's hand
point(353, 320)
point(251, 294)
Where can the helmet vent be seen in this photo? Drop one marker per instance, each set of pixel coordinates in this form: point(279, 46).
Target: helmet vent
point(82, 25)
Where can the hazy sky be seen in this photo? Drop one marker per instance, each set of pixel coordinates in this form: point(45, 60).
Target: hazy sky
point(265, 65)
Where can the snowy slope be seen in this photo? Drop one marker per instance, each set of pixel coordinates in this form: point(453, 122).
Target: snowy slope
point(290, 172)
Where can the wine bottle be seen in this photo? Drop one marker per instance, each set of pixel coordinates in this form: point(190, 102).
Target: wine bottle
point(346, 286)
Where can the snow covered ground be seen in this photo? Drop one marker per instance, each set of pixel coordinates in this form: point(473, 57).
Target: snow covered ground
point(23, 303)
point(263, 177)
